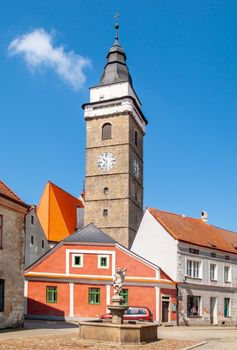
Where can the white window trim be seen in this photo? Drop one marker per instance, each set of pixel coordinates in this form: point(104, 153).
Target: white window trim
point(230, 273)
point(103, 256)
point(216, 271)
point(73, 260)
point(191, 258)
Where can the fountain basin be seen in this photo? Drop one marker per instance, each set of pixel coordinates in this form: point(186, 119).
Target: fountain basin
point(120, 334)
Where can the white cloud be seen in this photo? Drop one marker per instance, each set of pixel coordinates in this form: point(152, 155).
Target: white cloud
point(38, 50)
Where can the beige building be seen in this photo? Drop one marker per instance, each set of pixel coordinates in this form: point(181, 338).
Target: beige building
point(115, 127)
point(12, 235)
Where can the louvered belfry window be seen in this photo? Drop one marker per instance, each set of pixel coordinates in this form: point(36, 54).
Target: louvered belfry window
point(106, 131)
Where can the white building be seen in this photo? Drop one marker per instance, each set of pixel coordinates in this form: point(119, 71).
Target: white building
point(200, 257)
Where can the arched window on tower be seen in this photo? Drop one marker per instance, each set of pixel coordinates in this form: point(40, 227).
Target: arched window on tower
point(106, 131)
point(136, 138)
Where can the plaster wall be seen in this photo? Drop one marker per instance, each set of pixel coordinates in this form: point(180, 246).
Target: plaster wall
point(40, 245)
point(12, 263)
point(154, 244)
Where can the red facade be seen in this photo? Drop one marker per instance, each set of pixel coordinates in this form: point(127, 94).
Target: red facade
point(76, 286)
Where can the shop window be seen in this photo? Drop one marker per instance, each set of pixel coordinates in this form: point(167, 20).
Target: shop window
point(94, 296)
point(51, 294)
point(124, 294)
point(106, 131)
point(2, 295)
point(227, 307)
point(193, 306)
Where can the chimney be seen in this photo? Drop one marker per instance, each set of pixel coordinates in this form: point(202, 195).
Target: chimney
point(204, 216)
point(80, 217)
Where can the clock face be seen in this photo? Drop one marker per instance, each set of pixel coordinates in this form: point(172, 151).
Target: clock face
point(106, 161)
point(136, 168)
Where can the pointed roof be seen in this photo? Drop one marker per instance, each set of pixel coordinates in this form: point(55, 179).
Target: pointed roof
point(196, 231)
point(57, 212)
point(6, 192)
point(116, 69)
point(89, 234)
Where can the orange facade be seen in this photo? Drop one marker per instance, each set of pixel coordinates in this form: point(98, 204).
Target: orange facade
point(145, 283)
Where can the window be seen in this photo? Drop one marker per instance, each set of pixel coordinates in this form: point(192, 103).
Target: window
point(227, 276)
point(227, 257)
point(106, 131)
point(136, 138)
point(103, 261)
point(124, 294)
point(2, 295)
point(105, 212)
point(32, 220)
point(193, 306)
point(42, 243)
point(51, 294)
point(193, 251)
point(77, 260)
point(194, 268)
point(94, 296)
point(1, 229)
point(32, 240)
point(213, 255)
point(106, 190)
point(213, 272)
point(226, 307)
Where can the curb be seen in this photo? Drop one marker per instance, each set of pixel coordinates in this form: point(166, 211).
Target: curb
point(195, 346)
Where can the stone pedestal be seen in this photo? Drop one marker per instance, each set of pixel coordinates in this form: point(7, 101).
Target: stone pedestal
point(117, 309)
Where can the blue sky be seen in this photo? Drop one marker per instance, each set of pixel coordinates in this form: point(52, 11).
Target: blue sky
point(182, 56)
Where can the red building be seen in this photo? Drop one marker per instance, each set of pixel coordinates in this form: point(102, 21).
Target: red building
point(74, 279)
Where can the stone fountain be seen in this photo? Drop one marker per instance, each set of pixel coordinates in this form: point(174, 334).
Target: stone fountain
point(116, 331)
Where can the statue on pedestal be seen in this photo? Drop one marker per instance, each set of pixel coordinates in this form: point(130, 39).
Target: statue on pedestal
point(118, 280)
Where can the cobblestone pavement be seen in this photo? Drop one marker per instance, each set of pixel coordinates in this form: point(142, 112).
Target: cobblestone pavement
point(218, 338)
point(63, 336)
point(71, 342)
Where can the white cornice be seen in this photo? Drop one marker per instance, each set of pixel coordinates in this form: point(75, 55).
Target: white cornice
point(121, 106)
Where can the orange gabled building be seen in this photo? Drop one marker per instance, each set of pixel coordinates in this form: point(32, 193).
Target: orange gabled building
point(75, 279)
point(58, 212)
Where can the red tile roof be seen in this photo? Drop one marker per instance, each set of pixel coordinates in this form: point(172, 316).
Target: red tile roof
point(5, 191)
point(195, 231)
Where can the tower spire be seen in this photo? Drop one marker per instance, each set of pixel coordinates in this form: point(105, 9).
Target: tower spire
point(116, 26)
point(116, 69)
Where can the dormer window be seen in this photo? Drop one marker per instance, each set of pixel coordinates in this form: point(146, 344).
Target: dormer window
point(107, 131)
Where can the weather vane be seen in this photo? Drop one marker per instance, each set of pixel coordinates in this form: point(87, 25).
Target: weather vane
point(116, 24)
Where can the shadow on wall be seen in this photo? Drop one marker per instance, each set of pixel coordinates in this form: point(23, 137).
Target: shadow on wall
point(38, 310)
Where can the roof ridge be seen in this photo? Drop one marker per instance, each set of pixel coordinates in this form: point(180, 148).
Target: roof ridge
point(60, 188)
point(11, 191)
point(191, 218)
